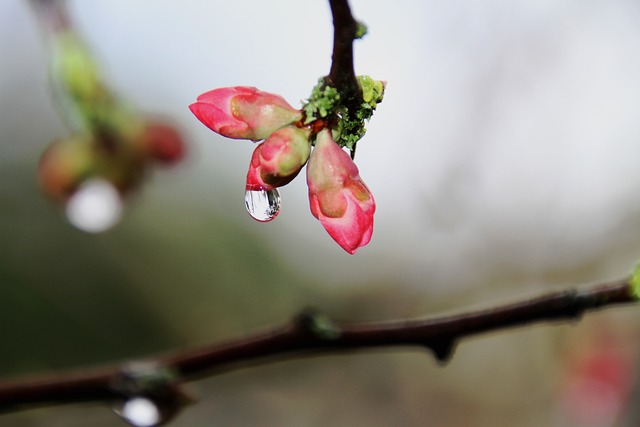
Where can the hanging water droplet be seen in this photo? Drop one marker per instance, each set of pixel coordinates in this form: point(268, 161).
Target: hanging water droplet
point(262, 205)
point(140, 412)
point(95, 207)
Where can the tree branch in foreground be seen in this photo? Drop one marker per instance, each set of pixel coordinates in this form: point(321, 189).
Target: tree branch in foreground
point(309, 333)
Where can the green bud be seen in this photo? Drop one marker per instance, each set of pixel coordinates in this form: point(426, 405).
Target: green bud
point(361, 30)
point(634, 282)
point(75, 69)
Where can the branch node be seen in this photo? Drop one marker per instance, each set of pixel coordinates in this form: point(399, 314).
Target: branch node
point(144, 378)
point(361, 30)
point(151, 388)
point(318, 325)
point(442, 349)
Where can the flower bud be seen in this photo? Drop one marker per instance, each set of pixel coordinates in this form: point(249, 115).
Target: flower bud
point(338, 196)
point(243, 112)
point(69, 162)
point(64, 165)
point(278, 159)
point(162, 142)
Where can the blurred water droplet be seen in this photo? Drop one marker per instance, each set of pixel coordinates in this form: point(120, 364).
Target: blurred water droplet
point(95, 207)
point(262, 205)
point(140, 412)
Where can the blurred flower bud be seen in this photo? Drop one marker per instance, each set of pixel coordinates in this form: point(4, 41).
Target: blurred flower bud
point(123, 168)
point(243, 112)
point(162, 142)
point(67, 163)
point(599, 379)
point(338, 196)
point(279, 159)
point(64, 165)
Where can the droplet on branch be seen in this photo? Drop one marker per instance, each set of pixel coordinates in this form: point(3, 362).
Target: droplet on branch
point(140, 412)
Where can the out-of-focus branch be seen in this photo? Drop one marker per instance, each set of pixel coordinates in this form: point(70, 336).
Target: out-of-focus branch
point(53, 14)
point(308, 333)
point(314, 332)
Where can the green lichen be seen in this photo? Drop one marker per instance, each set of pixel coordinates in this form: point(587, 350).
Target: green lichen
point(348, 124)
point(372, 90)
point(323, 102)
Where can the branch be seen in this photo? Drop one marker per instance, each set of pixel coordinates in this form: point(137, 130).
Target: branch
point(308, 333)
point(342, 75)
point(53, 14)
point(345, 30)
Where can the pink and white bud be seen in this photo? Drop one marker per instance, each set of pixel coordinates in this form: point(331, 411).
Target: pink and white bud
point(338, 196)
point(243, 112)
point(279, 159)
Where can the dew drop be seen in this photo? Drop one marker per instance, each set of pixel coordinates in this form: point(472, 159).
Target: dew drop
point(140, 412)
point(95, 207)
point(262, 205)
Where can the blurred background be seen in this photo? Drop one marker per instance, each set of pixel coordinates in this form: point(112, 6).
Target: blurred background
point(503, 161)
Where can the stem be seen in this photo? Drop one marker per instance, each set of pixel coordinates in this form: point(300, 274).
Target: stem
point(53, 14)
point(311, 333)
point(342, 75)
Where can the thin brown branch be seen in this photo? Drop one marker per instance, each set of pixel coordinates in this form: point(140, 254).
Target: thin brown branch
point(342, 75)
point(308, 333)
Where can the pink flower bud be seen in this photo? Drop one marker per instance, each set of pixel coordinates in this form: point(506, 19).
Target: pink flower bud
point(278, 159)
point(338, 197)
point(243, 112)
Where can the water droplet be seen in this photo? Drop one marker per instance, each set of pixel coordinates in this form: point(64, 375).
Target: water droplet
point(95, 207)
point(262, 205)
point(140, 412)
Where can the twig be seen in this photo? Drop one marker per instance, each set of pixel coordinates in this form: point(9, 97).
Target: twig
point(53, 14)
point(309, 333)
point(342, 75)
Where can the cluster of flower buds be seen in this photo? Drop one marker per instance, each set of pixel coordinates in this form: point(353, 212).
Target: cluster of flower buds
point(121, 161)
point(111, 143)
point(337, 195)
